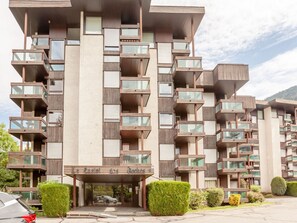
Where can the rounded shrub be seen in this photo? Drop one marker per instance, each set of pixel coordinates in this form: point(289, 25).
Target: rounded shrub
point(54, 199)
point(215, 197)
point(255, 197)
point(168, 198)
point(234, 199)
point(198, 199)
point(292, 188)
point(255, 188)
point(278, 186)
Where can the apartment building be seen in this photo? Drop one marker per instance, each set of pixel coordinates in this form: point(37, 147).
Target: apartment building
point(113, 93)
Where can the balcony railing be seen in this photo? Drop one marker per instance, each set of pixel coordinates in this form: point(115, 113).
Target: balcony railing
point(28, 194)
point(28, 89)
point(254, 158)
point(135, 120)
point(293, 128)
point(135, 85)
point(231, 135)
point(256, 173)
point(181, 47)
point(243, 149)
point(190, 128)
point(229, 107)
point(231, 165)
point(287, 118)
point(130, 32)
point(26, 160)
point(240, 125)
point(190, 162)
point(27, 124)
point(136, 157)
point(241, 191)
point(40, 41)
point(185, 94)
point(187, 64)
point(30, 57)
point(135, 49)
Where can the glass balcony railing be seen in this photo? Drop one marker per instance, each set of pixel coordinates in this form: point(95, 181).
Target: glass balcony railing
point(136, 121)
point(41, 41)
point(289, 158)
point(242, 149)
point(26, 159)
point(229, 106)
point(240, 125)
point(294, 173)
point(27, 56)
point(136, 158)
point(231, 165)
point(230, 135)
point(135, 85)
point(180, 45)
point(28, 194)
point(130, 32)
point(185, 128)
point(293, 128)
point(28, 89)
point(135, 49)
point(189, 63)
point(256, 173)
point(287, 118)
point(27, 124)
point(254, 158)
point(189, 95)
point(191, 162)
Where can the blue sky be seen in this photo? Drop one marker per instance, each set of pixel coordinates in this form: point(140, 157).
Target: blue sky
point(261, 33)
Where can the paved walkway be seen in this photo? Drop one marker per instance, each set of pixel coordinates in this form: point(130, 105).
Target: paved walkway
point(284, 210)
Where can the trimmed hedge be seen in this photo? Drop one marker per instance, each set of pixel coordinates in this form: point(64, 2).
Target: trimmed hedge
point(256, 188)
point(168, 198)
point(292, 188)
point(255, 197)
point(278, 186)
point(198, 199)
point(54, 199)
point(215, 197)
point(234, 199)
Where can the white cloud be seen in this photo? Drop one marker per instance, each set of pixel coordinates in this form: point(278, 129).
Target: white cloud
point(232, 26)
point(273, 76)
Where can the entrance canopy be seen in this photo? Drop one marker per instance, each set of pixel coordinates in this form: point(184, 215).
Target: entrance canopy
point(112, 174)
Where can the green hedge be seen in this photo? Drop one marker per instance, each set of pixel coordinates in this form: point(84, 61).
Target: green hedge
point(168, 198)
point(278, 186)
point(198, 199)
point(215, 197)
point(292, 188)
point(255, 197)
point(256, 188)
point(54, 199)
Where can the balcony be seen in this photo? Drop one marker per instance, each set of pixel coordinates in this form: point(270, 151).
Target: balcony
point(135, 125)
point(229, 166)
point(187, 163)
point(35, 62)
point(245, 125)
point(40, 42)
point(230, 137)
point(181, 47)
point(29, 194)
point(29, 127)
point(293, 128)
point(288, 118)
point(34, 95)
point(244, 150)
point(254, 158)
point(136, 158)
point(226, 110)
point(256, 173)
point(253, 142)
point(26, 161)
point(291, 158)
point(187, 131)
point(188, 100)
point(292, 143)
point(241, 191)
point(130, 33)
point(183, 70)
point(133, 89)
point(134, 58)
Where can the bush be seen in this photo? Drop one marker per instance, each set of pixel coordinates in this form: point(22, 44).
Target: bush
point(234, 199)
point(278, 186)
point(54, 199)
point(198, 199)
point(255, 188)
point(215, 197)
point(168, 198)
point(292, 188)
point(255, 197)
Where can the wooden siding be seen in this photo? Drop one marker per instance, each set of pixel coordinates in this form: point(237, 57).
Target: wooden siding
point(56, 102)
point(112, 20)
point(231, 72)
point(112, 66)
point(224, 181)
point(111, 161)
point(56, 75)
point(163, 36)
point(166, 136)
point(211, 170)
point(58, 31)
point(205, 79)
point(54, 166)
point(111, 130)
point(249, 102)
point(165, 78)
point(166, 105)
point(133, 143)
point(54, 134)
point(111, 96)
point(39, 3)
point(210, 142)
point(209, 114)
point(167, 168)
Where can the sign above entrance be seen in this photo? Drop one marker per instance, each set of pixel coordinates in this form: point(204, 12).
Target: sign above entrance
point(103, 170)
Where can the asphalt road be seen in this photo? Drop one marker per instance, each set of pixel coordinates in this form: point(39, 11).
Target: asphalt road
point(282, 210)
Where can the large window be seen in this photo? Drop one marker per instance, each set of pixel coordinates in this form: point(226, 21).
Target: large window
point(164, 53)
point(111, 79)
point(56, 86)
point(93, 25)
point(55, 118)
point(112, 113)
point(112, 39)
point(166, 121)
point(57, 50)
point(166, 151)
point(165, 89)
point(111, 147)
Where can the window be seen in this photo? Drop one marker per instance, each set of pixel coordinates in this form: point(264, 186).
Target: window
point(112, 113)
point(111, 147)
point(93, 25)
point(57, 67)
point(55, 118)
point(166, 151)
point(54, 150)
point(111, 59)
point(165, 89)
point(73, 36)
point(260, 114)
point(164, 53)
point(112, 39)
point(164, 70)
point(166, 121)
point(209, 99)
point(57, 50)
point(210, 183)
point(56, 86)
point(210, 127)
point(148, 38)
point(112, 79)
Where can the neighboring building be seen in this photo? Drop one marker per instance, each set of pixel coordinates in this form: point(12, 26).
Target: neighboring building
point(111, 94)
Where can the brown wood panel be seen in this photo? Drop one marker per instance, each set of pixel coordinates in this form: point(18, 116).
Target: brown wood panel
point(58, 31)
point(54, 134)
point(54, 166)
point(111, 130)
point(166, 105)
point(37, 146)
point(111, 66)
point(231, 72)
point(223, 181)
point(209, 142)
point(56, 75)
point(163, 36)
point(133, 143)
point(111, 96)
point(40, 3)
point(184, 177)
point(211, 170)
point(167, 168)
point(56, 102)
point(165, 78)
point(205, 79)
point(249, 102)
point(112, 161)
point(112, 20)
point(209, 113)
point(166, 136)
point(223, 154)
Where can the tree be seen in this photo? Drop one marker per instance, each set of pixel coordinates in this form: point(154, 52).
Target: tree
point(7, 144)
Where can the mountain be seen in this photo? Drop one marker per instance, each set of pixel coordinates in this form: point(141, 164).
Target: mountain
point(290, 94)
